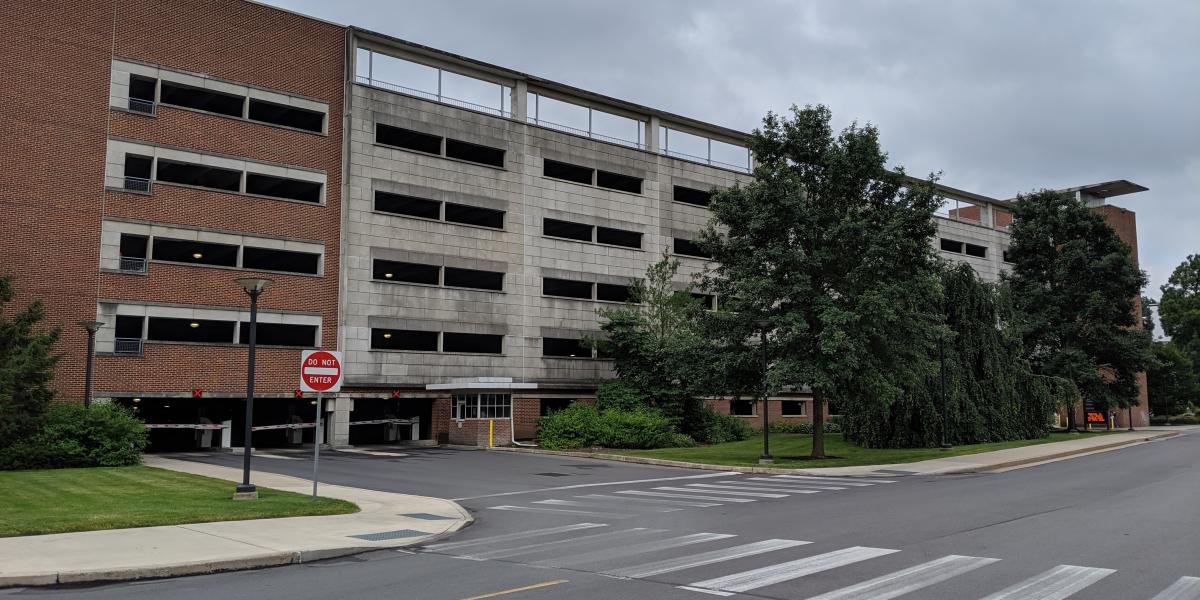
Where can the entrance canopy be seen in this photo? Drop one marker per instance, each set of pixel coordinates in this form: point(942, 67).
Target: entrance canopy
point(481, 383)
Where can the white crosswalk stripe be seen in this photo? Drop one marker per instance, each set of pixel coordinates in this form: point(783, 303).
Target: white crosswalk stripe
point(909, 580)
point(834, 480)
point(627, 499)
point(1056, 584)
point(561, 511)
point(1187, 588)
point(594, 504)
point(720, 492)
point(636, 532)
point(752, 488)
point(707, 558)
point(520, 535)
point(635, 549)
point(787, 571)
point(775, 482)
point(685, 496)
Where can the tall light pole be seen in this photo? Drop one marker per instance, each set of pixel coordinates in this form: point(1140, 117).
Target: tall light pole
point(254, 287)
point(766, 458)
point(92, 327)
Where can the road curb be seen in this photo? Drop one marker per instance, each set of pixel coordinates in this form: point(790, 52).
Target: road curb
point(824, 470)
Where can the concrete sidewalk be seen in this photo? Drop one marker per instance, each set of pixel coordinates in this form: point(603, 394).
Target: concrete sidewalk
point(998, 460)
point(385, 520)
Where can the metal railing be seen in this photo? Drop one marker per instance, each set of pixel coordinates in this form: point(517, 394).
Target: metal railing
point(127, 346)
point(138, 184)
point(131, 264)
point(585, 133)
point(145, 107)
point(708, 161)
point(500, 112)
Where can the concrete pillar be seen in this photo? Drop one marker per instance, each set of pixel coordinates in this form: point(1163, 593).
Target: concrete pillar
point(652, 142)
point(520, 101)
point(339, 420)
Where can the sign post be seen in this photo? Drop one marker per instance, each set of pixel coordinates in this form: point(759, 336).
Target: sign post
point(320, 372)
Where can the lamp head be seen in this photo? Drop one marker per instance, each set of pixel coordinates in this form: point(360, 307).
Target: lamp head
point(253, 285)
point(92, 326)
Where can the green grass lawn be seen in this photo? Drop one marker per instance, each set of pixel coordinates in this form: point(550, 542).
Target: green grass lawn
point(791, 450)
point(61, 500)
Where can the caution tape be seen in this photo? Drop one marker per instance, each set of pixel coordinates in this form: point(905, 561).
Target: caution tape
point(284, 426)
point(183, 426)
point(382, 421)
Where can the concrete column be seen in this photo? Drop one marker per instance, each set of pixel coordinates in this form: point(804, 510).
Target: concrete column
point(652, 142)
point(520, 101)
point(339, 420)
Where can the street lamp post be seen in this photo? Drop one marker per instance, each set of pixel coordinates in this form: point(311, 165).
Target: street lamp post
point(92, 327)
point(766, 457)
point(254, 287)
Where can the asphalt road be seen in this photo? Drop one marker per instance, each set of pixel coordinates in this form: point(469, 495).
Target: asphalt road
point(1119, 525)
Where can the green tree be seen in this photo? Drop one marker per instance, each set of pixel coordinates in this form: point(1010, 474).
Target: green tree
point(1171, 380)
point(1075, 285)
point(1179, 307)
point(1148, 305)
point(832, 249)
point(26, 366)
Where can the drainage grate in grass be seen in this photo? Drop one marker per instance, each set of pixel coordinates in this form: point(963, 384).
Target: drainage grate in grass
point(390, 535)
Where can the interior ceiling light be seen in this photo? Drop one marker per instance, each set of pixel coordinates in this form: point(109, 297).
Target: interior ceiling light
point(194, 324)
point(387, 336)
point(197, 255)
point(137, 399)
point(388, 275)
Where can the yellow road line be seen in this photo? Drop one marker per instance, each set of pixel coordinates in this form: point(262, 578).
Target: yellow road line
point(519, 589)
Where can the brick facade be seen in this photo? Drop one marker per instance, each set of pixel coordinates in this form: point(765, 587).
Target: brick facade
point(58, 123)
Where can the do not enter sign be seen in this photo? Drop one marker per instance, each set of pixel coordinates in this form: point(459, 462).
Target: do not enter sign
point(320, 371)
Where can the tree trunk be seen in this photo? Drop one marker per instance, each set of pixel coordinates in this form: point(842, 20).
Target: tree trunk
point(1071, 418)
point(818, 421)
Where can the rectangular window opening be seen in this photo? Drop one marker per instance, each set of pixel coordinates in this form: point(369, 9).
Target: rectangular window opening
point(476, 153)
point(689, 248)
point(612, 293)
point(279, 334)
point(201, 99)
point(694, 196)
point(549, 406)
point(618, 237)
point(227, 180)
point(141, 88)
point(407, 139)
point(282, 187)
point(951, 246)
point(195, 252)
point(567, 288)
point(268, 259)
point(407, 205)
point(567, 229)
point(404, 339)
point(475, 343)
point(792, 408)
point(743, 408)
point(1007, 256)
point(565, 348)
point(474, 215)
point(708, 300)
point(472, 278)
point(976, 250)
point(134, 246)
point(162, 329)
point(129, 327)
point(619, 182)
point(389, 270)
point(566, 171)
point(288, 116)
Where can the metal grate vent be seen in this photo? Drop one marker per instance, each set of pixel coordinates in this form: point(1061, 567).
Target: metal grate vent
point(390, 535)
point(428, 517)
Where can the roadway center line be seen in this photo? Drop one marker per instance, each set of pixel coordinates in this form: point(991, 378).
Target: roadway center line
point(587, 485)
point(526, 588)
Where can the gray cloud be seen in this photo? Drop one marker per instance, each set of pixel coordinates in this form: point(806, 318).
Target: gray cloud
point(1002, 97)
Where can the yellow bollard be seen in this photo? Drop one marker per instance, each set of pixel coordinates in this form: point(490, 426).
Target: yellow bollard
point(491, 430)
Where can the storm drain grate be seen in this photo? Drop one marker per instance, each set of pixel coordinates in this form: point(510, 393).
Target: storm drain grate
point(428, 517)
point(553, 474)
point(390, 535)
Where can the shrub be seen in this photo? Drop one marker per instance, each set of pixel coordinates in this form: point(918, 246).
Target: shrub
point(105, 435)
point(1159, 420)
point(712, 427)
point(805, 427)
point(581, 426)
point(1183, 420)
point(618, 395)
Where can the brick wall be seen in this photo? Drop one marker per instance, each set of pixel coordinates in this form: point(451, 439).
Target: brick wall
point(474, 432)
point(775, 414)
point(56, 118)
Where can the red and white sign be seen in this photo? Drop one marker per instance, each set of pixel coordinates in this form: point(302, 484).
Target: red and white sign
point(320, 371)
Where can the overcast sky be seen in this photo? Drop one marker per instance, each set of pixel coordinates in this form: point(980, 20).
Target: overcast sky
point(1002, 97)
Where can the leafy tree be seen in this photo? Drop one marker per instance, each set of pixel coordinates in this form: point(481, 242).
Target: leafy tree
point(833, 249)
point(1172, 381)
point(1179, 307)
point(26, 366)
point(1148, 305)
point(1075, 284)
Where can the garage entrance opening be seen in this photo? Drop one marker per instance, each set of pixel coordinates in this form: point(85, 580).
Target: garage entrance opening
point(370, 420)
point(187, 424)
